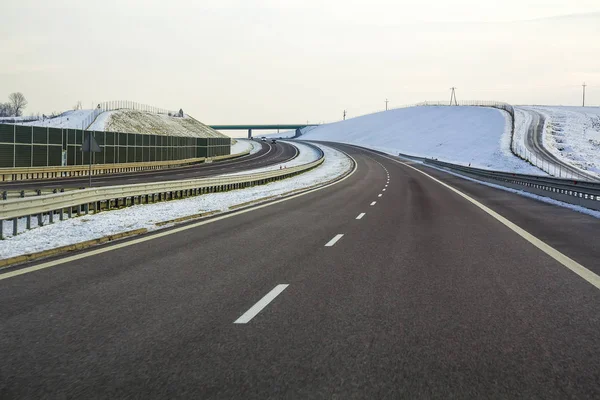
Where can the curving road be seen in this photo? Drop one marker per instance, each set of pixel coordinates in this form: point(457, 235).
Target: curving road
point(535, 144)
point(425, 295)
point(270, 154)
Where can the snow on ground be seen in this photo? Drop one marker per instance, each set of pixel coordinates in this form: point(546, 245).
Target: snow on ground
point(17, 120)
point(522, 121)
point(94, 226)
point(100, 122)
point(306, 155)
point(478, 136)
point(573, 135)
point(72, 119)
point(241, 146)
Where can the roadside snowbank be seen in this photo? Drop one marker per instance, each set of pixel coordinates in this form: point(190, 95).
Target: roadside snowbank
point(241, 146)
point(522, 121)
point(306, 154)
point(94, 226)
point(478, 136)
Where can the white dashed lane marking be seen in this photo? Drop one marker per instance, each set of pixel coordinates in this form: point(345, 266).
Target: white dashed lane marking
point(262, 303)
point(334, 240)
point(373, 203)
point(379, 195)
point(360, 216)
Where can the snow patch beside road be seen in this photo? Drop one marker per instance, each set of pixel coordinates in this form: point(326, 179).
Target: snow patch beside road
point(94, 226)
point(242, 146)
point(306, 155)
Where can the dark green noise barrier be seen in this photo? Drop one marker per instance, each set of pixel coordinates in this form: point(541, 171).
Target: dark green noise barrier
point(33, 146)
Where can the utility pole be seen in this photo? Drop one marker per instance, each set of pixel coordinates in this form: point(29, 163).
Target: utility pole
point(453, 96)
point(386, 101)
point(584, 85)
point(344, 115)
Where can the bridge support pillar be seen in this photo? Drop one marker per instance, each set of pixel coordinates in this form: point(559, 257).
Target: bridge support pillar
point(249, 133)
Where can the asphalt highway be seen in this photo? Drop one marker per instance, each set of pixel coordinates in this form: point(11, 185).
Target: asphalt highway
point(269, 154)
point(535, 144)
point(385, 285)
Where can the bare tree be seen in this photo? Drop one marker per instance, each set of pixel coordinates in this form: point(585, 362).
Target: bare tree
point(6, 110)
point(18, 103)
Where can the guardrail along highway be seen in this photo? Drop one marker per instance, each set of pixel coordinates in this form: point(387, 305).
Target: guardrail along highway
point(400, 281)
point(270, 154)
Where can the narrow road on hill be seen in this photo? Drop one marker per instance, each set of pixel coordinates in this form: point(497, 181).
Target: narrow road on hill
point(535, 144)
point(385, 285)
point(270, 154)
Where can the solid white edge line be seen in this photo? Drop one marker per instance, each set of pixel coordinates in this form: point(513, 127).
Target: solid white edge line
point(334, 240)
point(262, 303)
point(360, 215)
point(373, 203)
point(567, 262)
point(49, 264)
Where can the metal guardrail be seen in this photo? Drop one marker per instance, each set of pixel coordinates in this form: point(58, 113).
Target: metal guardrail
point(581, 193)
point(106, 198)
point(26, 173)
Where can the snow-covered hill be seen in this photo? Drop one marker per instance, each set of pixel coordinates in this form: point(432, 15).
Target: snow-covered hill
point(128, 121)
point(477, 136)
point(72, 119)
point(150, 123)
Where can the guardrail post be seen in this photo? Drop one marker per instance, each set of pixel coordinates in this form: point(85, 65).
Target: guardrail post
point(15, 226)
point(1, 229)
point(62, 214)
point(51, 216)
point(40, 218)
point(28, 226)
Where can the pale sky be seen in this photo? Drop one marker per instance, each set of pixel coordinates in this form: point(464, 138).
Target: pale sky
point(267, 61)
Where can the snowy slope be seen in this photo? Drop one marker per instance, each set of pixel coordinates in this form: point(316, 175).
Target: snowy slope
point(465, 135)
point(153, 124)
point(573, 135)
point(68, 120)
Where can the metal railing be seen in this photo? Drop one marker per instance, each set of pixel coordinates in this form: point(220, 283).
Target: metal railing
point(123, 105)
point(582, 193)
point(109, 197)
point(27, 173)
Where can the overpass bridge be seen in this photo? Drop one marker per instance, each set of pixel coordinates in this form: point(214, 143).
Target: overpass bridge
point(251, 127)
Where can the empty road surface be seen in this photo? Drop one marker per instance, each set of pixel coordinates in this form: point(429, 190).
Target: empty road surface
point(385, 285)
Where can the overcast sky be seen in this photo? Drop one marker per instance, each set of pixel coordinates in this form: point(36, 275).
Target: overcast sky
point(267, 61)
